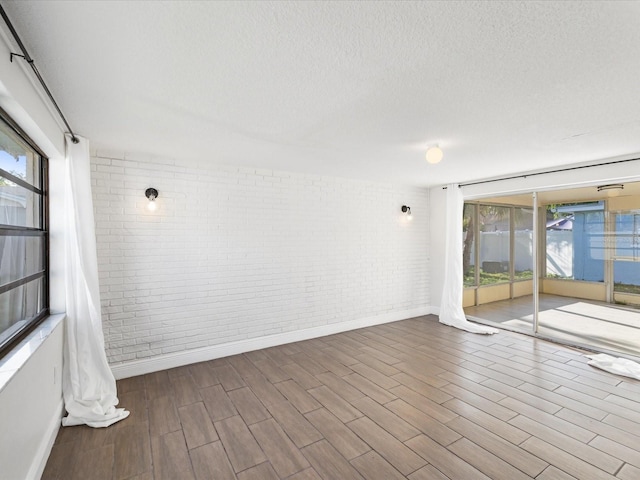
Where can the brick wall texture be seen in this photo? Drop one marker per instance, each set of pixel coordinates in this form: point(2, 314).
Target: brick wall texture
point(239, 253)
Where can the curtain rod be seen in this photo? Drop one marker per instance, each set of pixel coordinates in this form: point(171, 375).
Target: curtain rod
point(525, 175)
point(25, 55)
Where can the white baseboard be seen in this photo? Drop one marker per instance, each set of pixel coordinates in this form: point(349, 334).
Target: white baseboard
point(46, 444)
point(178, 359)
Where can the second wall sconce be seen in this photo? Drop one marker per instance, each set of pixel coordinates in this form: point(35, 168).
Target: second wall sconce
point(151, 194)
point(407, 210)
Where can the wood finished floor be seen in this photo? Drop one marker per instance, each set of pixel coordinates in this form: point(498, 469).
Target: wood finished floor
point(411, 399)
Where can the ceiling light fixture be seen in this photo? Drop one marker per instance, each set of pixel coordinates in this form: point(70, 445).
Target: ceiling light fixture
point(612, 190)
point(151, 194)
point(613, 186)
point(434, 154)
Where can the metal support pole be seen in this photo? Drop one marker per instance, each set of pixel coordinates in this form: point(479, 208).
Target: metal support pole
point(534, 258)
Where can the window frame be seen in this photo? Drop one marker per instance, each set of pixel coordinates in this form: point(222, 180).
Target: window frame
point(43, 231)
point(476, 247)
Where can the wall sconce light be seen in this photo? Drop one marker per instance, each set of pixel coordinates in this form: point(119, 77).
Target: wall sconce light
point(612, 190)
point(151, 194)
point(434, 154)
point(407, 210)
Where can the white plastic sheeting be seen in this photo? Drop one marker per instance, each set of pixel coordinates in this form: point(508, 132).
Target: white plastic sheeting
point(619, 366)
point(88, 386)
point(451, 312)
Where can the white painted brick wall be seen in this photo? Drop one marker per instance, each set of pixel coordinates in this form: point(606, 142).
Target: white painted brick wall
point(239, 253)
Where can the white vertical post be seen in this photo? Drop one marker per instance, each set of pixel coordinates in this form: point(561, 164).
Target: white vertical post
point(609, 251)
point(512, 248)
point(534, 255)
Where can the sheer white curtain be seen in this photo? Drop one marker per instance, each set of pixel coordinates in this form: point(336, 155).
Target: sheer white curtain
point(12, 267)
point(88, 385)
point(451, 312)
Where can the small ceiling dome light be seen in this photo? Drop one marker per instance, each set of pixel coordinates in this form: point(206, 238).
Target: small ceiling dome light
point(407, 210)
point(434, 154)
point(151, 194)
point(612, 190)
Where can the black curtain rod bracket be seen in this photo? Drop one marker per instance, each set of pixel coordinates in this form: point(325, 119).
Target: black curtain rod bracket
point(25, 55)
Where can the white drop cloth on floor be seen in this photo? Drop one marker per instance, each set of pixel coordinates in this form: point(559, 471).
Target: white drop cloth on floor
point(619, 366)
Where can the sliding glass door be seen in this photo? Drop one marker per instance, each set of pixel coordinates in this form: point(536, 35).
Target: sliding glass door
point(571, 274)
point(498, 263)
point(626, 257)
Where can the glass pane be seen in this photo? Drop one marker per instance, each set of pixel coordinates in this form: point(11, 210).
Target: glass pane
point(497, 301)
point(559, 243)
point(626, 277)
point(578, 312)
point(18, 158)
point(523, 243)
point(20, 257)
point(468, 246)
point(19, 207)
point(20, 304)
point(576, 242)
point(494, 244)
point(627, 235)
point(626, 267)
point(589, 253)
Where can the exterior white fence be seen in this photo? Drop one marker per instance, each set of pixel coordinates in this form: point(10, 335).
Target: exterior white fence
point(494, 247)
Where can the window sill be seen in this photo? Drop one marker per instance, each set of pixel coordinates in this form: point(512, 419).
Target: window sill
point(13, 361)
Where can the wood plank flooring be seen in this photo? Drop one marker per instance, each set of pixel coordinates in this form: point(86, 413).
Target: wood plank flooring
point(411, 399)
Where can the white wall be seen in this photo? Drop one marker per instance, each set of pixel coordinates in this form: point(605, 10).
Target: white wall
point(31, 411)
point(31, 403)
point(24, 103)
point(238, 254)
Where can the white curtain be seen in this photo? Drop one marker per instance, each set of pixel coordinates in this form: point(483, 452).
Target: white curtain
point(13, 267)
point(451, 312)
point(88, 385)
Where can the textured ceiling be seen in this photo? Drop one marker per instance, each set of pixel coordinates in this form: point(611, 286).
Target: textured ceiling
point(352, 89)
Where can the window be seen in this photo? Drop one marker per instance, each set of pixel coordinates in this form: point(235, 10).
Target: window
point(504, 237)
point(469, 245)
point(626, 260)
point(523, 243)
point(576, 241)
point(494, 224)
point(24, 297)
